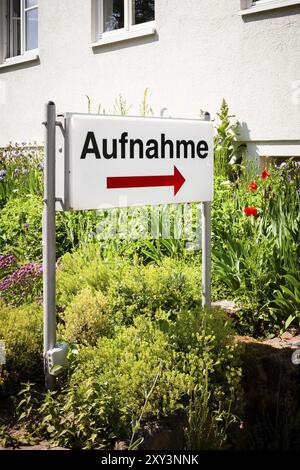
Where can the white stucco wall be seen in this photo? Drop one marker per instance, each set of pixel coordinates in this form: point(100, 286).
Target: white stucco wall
point(203, 51)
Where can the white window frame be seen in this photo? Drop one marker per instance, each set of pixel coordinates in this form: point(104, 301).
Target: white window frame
point(23, 23)
point(130, 31)
point(256, 6)
point(25, 55)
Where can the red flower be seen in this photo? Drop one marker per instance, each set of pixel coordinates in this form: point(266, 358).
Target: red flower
point(252, 186)
point(250, 211)
point(265, 175)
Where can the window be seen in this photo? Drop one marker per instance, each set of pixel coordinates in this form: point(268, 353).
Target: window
point(20, 21)
point(256, 6)
point(122, 17)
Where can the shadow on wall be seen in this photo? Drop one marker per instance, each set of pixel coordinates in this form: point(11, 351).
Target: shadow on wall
point(21, 65)
point(243, 131)
point(244, 137)
point(272, 14)
point(116, 46)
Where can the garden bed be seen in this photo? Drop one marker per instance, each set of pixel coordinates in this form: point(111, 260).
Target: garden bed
point(142, 348)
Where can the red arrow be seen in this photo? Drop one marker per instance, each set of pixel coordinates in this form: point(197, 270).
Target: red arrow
point(121, 182)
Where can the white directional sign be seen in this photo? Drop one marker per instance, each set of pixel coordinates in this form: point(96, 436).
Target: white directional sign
point(116, 161)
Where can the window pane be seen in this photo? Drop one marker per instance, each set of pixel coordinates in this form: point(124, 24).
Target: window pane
point(143, 11)
point(113, 15)
point(14, 28)
point(31, 3)
point(31, 29)
point(16, 38)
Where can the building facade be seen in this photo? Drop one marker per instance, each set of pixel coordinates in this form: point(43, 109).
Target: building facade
point(190, 54)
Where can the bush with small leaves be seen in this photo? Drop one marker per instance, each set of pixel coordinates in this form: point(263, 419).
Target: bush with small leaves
point(147, 370)
point(131, 288)
point(21, 330)
point(87, 318)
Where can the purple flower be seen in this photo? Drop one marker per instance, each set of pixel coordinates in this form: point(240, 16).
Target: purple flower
point(2, 173)
point(22, 285)
point(16, 172)
point(6, 261)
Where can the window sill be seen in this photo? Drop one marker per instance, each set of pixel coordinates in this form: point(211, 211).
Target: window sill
point(124, 36)
point(272, 5)
point(22, 59)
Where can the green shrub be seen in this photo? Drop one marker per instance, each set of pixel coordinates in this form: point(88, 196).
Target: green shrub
point(84, 268)
point(87, 318)
point(170, 287)
point(109, 388)
point(21, 228)
point(203, 341)
point(131, 288)
point(21, 329)
point(148, 370)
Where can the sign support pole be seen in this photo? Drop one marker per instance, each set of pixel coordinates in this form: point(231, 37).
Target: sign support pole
point(206, 248)
point(206, 254)
point(49, 242)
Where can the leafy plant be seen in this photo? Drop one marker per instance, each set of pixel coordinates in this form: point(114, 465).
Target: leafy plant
point(253, 254)
point(207, 430)
point(287, 297)
point(228, 154)
point(87, 318)
point(21, 330)
point(110, 385)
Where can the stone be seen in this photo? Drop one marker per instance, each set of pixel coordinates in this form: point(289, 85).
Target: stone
point(271, 385)
point(227, 305)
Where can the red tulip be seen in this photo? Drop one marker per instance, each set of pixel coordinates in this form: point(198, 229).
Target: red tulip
point(252, 186)
point(265, 175)
point(250, 211)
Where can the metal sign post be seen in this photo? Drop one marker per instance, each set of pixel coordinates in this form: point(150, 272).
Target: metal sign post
point(206, 254)
point(49, 242)
point(206, 248)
